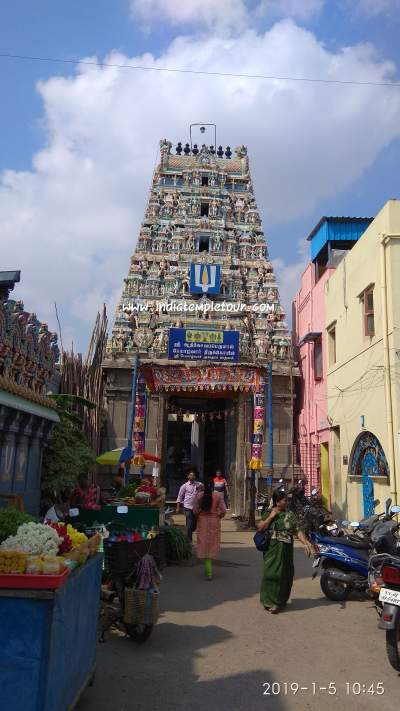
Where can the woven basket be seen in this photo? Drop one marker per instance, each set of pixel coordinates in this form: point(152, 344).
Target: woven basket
point(120, 559)
point(141, 607)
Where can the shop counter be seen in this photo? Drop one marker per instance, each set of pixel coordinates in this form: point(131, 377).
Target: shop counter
point(48, 642)
point(136, 516)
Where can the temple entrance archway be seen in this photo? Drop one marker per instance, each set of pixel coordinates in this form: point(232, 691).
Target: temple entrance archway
point(201, 433)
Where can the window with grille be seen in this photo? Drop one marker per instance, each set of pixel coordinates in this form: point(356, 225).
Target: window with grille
point(318, 359)
point(369, 319)
point(332, 345)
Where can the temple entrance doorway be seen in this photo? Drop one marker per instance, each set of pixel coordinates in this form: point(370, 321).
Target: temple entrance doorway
point(201, 433)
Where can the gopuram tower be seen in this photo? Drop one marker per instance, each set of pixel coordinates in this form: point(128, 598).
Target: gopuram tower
point(200, 308)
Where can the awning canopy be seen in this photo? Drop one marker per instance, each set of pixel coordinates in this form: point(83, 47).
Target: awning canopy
point(310, 337)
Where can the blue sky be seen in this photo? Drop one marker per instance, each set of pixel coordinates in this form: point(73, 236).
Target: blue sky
point(78, 149)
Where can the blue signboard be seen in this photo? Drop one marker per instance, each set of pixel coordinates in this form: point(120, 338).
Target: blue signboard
point(203, 344)
point(205, 278)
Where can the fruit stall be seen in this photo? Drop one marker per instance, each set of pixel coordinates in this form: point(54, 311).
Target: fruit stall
point(50, 579)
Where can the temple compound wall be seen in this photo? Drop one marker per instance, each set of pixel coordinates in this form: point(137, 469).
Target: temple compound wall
point(28, 356)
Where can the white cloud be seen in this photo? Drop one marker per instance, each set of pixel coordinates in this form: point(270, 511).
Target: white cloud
point(71, 222)
point(211, 13)
point(296, 9)
point(219, 14)
point(373, 8)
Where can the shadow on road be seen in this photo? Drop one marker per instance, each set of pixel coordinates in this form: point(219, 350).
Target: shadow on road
point(299, 603)
point(161, 675)
point(237, 576)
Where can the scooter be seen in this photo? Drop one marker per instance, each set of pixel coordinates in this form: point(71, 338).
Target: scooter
point(384, 580)
point(389, 597)
point(345, 560)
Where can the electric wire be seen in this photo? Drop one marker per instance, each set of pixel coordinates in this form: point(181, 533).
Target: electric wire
point(141, 67)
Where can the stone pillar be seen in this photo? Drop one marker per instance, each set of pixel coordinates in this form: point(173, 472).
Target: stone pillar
point(7, 461)
point(22, 453)
point(41, 430)
point(238, 494)
point(156, 414)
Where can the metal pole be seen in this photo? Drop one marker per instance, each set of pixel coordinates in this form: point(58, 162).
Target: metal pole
point(387, 369)
point(270, 423)
point(291, 412)
point(132, 416)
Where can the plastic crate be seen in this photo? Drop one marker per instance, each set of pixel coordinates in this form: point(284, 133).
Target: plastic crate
point(26, 581)
point(120, 559)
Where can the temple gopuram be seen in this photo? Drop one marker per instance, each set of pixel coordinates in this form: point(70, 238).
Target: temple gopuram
point(28, 357)
point(200, 309)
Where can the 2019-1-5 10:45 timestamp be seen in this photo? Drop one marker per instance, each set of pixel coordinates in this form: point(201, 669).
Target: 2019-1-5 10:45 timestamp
point(349, 688)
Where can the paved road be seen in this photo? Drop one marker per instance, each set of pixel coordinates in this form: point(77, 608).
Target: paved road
point(215, 646)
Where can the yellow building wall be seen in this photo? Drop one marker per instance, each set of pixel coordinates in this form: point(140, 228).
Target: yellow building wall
point(356, 381)
point(325, 479)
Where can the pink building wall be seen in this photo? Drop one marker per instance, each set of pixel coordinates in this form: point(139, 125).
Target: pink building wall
point(311, 404)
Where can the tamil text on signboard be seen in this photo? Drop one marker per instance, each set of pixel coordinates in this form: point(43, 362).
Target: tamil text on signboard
point(199, 344)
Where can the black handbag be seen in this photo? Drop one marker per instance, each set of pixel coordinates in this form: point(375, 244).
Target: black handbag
point(262, 539)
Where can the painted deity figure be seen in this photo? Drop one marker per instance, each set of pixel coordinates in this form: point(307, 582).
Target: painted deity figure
point(190, 241)
point(213, 212)
point(217, 241)
point(194, 206)
point(245, 344)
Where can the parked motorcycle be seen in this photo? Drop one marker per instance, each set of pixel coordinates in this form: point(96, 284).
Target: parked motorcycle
point(345, 559)
point(384, 582)
point(389, 597)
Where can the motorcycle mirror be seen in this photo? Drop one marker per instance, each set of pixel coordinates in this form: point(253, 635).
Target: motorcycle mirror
point(388, 504)
point(395, 509)
point(376, 502)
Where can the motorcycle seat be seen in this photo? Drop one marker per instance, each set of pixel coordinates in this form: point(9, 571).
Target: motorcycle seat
point(354, 543)
point(346, 541)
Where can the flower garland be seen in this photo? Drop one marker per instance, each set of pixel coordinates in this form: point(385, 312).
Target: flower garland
point(34, 539)
point(258, 425)
point(66, 543)
point(140, 422)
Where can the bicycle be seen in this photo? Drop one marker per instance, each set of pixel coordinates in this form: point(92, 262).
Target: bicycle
point(120, 573)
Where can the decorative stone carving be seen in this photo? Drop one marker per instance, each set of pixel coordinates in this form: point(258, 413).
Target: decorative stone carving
point(143, 337)
point(170, 240)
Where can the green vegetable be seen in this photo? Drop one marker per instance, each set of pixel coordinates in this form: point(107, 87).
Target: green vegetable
point(178, 546)
point(127, 491)
point(10, 520)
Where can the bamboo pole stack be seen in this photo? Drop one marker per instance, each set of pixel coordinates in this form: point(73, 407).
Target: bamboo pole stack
point(84, 378)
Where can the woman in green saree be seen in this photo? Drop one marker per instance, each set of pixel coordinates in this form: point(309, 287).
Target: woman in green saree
point(278, 574)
